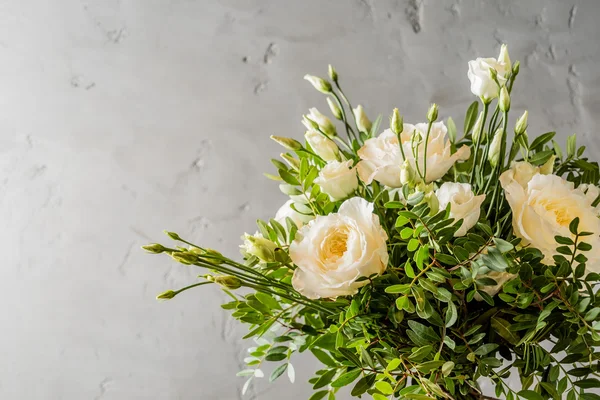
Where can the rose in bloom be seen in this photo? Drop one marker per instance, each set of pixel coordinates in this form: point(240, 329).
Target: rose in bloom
point(324, 147)
point(463, 204)
point(333, 251)
point(382, 160)
point(286, 211)
point(522, 171)
point(591, 193)
point(337, 179)
point(482, 84)
point(544, 209)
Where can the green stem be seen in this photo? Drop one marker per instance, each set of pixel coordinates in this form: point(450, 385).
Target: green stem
point(191, 286)
point(425, 154)
point(486, 106)
point(349, 130)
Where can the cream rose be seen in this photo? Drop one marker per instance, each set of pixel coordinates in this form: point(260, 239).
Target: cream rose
point(482, 84)
point(522, 171)
point(338, 179)
point(463, 204)
point(286, 211)
point(324, 147)
point(382, 160)
point(331, 252)
point(544, 209)
point(591, 193)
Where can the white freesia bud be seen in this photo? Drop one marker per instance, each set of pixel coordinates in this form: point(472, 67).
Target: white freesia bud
point(463, 204)
point(286, 211)
point(258, 246)
point(321, 120)
point(477, 128)
point(483, 84)
point(362, 121)
point(503, 57)
point(351, 244)
point(338, 179)
point(495, 147)
point(288, 143)
point(322, 146)
point(504, 101)
point(335, 109)
point(432, 114)
point(544, 208)
point(521, 125)
point(407, 173)
point(320, 84)
point(396, 122)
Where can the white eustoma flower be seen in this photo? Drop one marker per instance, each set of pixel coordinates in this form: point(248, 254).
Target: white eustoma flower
point(322, 146)
point(338, 179)
point(333, 251)
point(286, 211)
point(463, 204)
point(382, 159)
point(544, 209)
point(482, 84)
point(362, 121)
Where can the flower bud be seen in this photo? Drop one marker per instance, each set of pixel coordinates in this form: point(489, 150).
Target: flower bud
point(315, 120)
point(516, 67)
point(335, 109)
point(521, 125)
point(258, 246)
point(154, 248)
point(320, 84)
point(477, 128)
point(407, 173)
point(503, 57)
point(184, 258)
point(504, 100)
point(322, 146)
point(495, 146)
point(288, 143)
point(396, 122)
point(169, 294)
point(433, 202)
point(294, 163)
point(228, 282)
point(333, 73)
point(548, 166)
point(432, 114)
point(173, 235)
point(362, 121)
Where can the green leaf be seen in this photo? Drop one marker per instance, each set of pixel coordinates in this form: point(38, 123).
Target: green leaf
point(404, 289)
point(409, 270)
point(486, 349)
point(502, 327)
point(451, 315)
point(363, 384)
point(530, 395)
point(277, 372)
point(541, 140)
point(413, 244)
point(366, 357)
point(447, 368)
point(346, 378)
point(574, 225)
point(503, 245)
point(319, 395)
point(325, 379)
point(323, 357)
point(384, 387)
point(429, 366)
point(421, 353)
point(350, 356)
point(571, 146)
point(451, 129)
point(471, 117)
point(275, 357)
point(588, 383)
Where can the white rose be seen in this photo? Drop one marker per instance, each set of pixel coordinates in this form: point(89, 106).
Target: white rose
point(545, 208)
point(322, 146)
point(333, 251)
point(338, 179)
point(522, 171)
point(500, 277)
point(482, 84)
point(439, 155)
point(286, 211)
point(381, 158)
point(324, 123)
point(463, 204)
point(591, 194)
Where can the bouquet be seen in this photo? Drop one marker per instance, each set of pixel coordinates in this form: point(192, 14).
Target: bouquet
point(420, 261)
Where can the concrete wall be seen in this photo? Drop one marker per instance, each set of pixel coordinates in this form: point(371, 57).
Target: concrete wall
point(120, 118)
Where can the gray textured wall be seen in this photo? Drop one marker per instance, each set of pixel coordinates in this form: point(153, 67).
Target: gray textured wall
point(120, 118)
